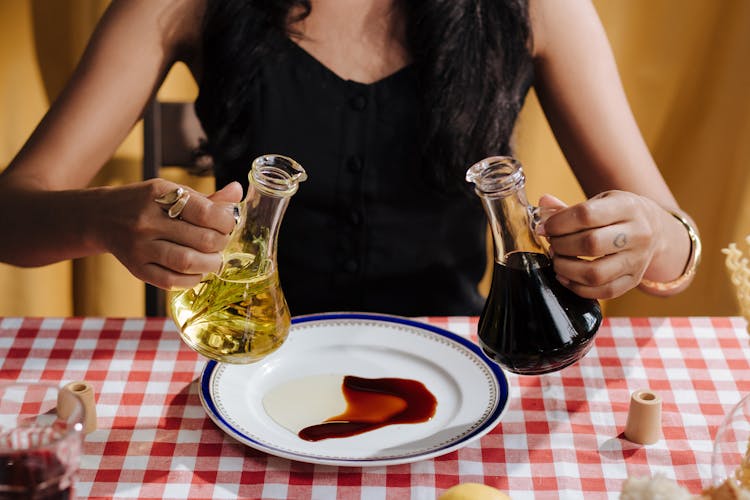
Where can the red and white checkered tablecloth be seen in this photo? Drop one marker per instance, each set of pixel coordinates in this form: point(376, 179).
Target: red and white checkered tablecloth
point(559, 438)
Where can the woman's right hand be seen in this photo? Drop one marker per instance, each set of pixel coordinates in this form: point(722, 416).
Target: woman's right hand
point(167, 252)
point(49, 212)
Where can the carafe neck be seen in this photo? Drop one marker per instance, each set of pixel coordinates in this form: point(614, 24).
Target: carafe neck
point(273, 179)
point(499, 181)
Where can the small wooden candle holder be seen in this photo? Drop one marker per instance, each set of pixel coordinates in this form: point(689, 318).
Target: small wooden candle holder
point(84, 392)
point(644, 417)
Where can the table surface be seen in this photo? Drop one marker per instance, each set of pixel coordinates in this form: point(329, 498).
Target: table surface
point(561, 436)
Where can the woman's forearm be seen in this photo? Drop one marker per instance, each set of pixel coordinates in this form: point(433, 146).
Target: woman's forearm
point(42, 227)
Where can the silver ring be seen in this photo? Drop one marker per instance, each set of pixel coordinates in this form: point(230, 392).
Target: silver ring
point(176, 199)
point(176, 209)
point(171, 197)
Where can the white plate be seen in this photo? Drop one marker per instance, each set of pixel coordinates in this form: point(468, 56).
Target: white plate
point(471, 391)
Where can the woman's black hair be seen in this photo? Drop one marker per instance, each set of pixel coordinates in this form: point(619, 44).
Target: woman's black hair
point(472, 59)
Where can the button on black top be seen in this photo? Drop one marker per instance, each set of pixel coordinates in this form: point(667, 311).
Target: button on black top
point(355, 217)
point(354, 164)
point(351, 266)
point(358, 103)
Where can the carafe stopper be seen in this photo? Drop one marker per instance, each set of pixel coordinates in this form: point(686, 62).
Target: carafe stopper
point(84, 392)
point(643, 425)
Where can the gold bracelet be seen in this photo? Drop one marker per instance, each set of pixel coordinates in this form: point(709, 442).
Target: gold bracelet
point(692, 264)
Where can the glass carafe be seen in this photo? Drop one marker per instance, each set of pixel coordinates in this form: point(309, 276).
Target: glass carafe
point(530, 324)
point(239, 315)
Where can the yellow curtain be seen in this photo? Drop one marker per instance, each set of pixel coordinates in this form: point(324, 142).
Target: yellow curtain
point(684, 68)
point(44, 290)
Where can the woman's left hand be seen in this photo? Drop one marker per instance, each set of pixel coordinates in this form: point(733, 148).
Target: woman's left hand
point(601, 247)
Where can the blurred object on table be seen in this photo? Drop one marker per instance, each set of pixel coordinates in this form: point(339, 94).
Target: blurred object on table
point(40, 449)
point(652, 488)
point(473, 491)
point(730, 462)
point(739, 273)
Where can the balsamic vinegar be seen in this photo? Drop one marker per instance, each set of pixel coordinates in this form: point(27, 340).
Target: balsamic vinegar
point(531, 323)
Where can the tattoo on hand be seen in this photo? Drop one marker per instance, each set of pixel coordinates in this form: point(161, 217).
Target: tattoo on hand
point(620, 240)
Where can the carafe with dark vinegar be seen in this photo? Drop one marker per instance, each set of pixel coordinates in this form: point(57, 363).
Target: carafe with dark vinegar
point(531, 324)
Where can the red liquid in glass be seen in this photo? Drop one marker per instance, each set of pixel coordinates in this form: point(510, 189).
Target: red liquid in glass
point(33, 475)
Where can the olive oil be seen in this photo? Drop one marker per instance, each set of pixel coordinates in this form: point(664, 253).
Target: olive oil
point(233, 318)
point(239, 315)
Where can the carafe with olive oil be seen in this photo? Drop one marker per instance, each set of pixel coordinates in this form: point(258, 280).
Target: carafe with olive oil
point(531, 324)
point(239, 315)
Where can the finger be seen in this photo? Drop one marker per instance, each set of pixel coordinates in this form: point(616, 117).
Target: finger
point(182, 259)
point(609, 290)
point(596, 242)
point(203, 212)
point(601, 210)
point(186, 234)
point(231, 193)
point(166, 279)
point(595, 273)
point(549, 201)
point(548, 205)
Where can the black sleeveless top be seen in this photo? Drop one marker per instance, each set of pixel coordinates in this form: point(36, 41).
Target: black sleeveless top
point(365, 232)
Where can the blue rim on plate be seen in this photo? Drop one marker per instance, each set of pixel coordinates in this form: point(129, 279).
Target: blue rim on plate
point(482, 427)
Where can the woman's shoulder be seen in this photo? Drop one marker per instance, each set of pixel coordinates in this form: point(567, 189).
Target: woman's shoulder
point(186, 28)
point(557, 24)
point(178, 22)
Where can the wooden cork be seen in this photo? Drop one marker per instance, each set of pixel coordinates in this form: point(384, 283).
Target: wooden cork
point(644, 417)
point(84, 392)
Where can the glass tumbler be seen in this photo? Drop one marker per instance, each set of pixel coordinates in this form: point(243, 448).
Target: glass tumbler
point(731, 454)
point(39, 449)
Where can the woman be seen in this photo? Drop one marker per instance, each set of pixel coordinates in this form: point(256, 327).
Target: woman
point(385, 103)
